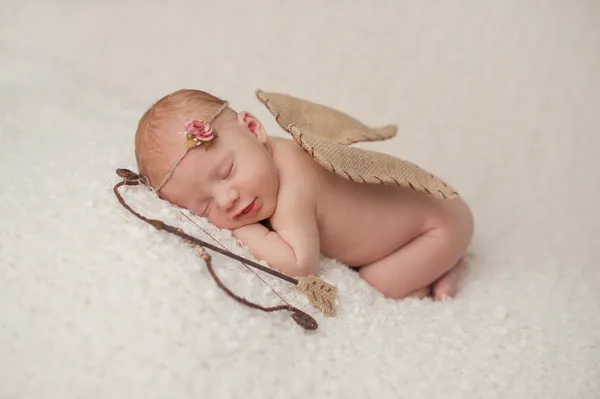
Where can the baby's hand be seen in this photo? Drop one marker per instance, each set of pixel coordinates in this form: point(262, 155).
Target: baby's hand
point(270, 246)
point(250, 229)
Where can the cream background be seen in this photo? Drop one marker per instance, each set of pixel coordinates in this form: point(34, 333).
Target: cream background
point(499, 98)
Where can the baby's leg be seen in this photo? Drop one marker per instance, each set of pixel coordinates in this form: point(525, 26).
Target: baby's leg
point(420, 293)
point(419, 263)
point(443, 288)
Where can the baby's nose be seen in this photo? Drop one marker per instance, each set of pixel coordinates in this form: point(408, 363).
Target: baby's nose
point(227, 198)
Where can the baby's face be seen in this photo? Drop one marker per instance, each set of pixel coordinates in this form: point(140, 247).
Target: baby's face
point(234, 182)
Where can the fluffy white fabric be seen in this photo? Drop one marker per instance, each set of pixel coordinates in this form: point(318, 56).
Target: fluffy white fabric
point(499, 98)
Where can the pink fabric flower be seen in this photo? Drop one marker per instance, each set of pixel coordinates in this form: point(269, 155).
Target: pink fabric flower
point(201, 130)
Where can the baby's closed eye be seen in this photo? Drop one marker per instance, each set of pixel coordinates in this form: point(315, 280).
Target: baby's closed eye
point(206, 208)
point(226, 172)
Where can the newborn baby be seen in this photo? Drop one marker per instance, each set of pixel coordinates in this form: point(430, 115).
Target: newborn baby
point(199, 154)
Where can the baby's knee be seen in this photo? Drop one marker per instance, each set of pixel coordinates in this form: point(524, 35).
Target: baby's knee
point(456, 230)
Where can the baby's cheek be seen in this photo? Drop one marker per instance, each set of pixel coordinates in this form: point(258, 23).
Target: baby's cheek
point(219, 221)
point(196, 210)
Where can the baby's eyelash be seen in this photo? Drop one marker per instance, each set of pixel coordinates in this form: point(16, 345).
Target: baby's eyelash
point(206, 209)
point(230, 170)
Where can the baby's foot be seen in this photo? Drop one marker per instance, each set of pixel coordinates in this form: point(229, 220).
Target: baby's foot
point(447, 285)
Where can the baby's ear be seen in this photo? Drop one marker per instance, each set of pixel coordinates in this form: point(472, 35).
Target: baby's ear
point(253, 124)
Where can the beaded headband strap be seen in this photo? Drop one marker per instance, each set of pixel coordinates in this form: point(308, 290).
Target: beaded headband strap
point(197, 133)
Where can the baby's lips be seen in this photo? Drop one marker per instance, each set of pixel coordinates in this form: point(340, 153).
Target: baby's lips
point(241, 211)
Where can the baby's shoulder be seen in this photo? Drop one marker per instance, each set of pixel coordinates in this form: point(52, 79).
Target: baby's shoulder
point(294, 163)
point(290, 156)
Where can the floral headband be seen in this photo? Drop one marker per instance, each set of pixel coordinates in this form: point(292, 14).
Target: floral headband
point(197, 133)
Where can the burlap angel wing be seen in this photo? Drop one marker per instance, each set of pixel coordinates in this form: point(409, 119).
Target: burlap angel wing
point(324, 132)
point(328, 122)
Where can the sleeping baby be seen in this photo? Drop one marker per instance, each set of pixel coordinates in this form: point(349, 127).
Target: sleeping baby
point(200, 154)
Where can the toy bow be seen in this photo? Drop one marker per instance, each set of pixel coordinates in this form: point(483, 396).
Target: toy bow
point(320, 294)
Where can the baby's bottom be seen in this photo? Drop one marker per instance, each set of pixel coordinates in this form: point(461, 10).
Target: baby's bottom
point(430, 263)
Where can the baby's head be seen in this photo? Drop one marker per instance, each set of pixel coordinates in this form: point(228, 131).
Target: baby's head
point(233, 181)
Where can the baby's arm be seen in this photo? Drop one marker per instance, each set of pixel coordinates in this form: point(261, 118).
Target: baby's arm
point(293, 250)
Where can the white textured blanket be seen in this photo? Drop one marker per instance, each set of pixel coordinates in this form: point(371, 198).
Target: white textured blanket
point(501, 99)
